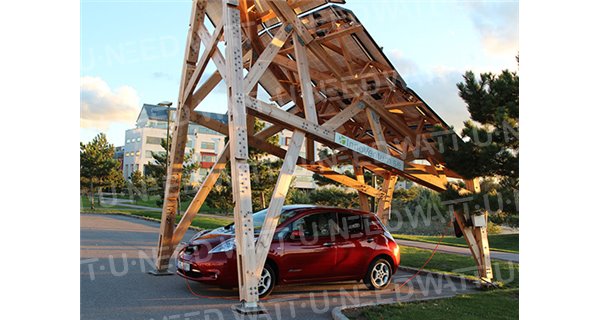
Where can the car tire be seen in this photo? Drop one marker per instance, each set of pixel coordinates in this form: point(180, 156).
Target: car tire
point(266, 282)
point(379, 275)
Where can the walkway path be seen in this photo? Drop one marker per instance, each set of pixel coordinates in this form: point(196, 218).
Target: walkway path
point(514, 257)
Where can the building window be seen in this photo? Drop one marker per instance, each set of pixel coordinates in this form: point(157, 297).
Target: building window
point(128, 141)
point(209, 158)
point(207, 145)
point(153, 140)
point(189, 144)
point(137, 153)
point(139, 139)
point(287, 141)
point(137, 167)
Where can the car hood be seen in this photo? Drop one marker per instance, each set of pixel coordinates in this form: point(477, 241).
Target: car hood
point(213, 236)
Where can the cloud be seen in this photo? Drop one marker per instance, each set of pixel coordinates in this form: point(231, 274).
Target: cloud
point(498, 25)
point(439, 91)
point(406, 67)
point(162, 75)
point(100, 106)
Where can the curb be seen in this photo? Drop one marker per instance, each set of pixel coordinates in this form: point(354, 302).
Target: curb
point(442, 274)
point(337, 313)
point(133, 216)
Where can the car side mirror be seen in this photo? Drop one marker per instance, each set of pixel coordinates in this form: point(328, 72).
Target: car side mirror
point(295, 234)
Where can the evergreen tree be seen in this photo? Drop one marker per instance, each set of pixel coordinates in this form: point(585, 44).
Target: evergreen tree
point(490, 139)
point(97, 168)
point(157, 171)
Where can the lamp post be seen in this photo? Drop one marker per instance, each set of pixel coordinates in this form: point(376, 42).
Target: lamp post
point(168, 105)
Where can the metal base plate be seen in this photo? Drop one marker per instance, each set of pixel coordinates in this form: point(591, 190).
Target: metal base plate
point(242, 309)
point(161, 273)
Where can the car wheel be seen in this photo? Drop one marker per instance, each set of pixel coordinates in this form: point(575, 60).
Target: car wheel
point(266, 283)
point(379, 275)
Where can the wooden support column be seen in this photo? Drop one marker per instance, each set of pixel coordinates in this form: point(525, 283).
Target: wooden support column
point(166, 245)
point(481, 237)
point(385, 204)
point(307, 92)
point(476, 237)
point(389, 183)
point(240, 170)
point(360, 176)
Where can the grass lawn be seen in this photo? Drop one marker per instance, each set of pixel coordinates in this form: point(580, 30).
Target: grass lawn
point(507, 273)
point(494, 304)
point(199, 221)
point(498, 242)
point(497, 304)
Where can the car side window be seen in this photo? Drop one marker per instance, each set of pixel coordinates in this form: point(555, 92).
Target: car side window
point(316, 225)
point(351, 225)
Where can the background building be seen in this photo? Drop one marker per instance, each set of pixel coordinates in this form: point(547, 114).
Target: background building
point(119, 153)
point(303, 179)
point(151, 128)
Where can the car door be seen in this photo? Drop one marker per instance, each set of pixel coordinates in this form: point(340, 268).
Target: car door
point(309, 251)
point(354, 246)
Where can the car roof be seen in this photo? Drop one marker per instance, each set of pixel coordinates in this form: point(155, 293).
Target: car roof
point(299, 207)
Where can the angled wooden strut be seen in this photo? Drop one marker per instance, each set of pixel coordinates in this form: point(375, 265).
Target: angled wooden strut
point(166, 246)
point(344, 95)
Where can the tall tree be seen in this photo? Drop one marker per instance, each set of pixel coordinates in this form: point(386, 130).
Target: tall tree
point(264, 171)
point(490, 139)
point(96, 164)
point(158, 169)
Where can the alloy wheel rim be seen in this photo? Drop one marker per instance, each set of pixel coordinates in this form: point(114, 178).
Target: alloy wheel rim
point(265, 281)
point(380, 274)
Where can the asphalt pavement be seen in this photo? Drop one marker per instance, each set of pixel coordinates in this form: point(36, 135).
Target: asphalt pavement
point(117, 252)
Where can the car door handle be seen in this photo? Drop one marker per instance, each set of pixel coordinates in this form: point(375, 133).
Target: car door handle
point(370, 240)
point(328, 244)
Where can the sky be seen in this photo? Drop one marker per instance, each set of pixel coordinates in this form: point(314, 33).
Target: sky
point(132, 53)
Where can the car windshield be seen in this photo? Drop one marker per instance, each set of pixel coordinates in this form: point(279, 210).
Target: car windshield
point(259, 217)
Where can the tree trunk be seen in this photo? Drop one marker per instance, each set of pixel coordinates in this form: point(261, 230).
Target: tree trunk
point(262, 199)
point(92, 196)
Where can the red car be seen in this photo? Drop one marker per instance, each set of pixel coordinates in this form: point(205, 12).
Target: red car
point(311, 244)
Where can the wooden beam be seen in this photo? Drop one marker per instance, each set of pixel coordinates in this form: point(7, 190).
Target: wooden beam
point(285, 13)
point(340, 32)
point(385, 203)
point(203, 62)
point(217, 56)
point(389, 183)
point(265, 58)
point(308, 98)
point(320, 167)
point(166, 246)
point(342, 117)
point(375, 125)
point(240, 170)
point(208, 85)
point(360, 176)
point(286, 174)
point(469, 237)
point(481, 237)
point(207, 185)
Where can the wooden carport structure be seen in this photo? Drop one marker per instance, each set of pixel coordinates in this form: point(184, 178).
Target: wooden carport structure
point(329, 82)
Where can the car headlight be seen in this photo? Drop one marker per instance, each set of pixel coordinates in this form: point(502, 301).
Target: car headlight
point(224, 246)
